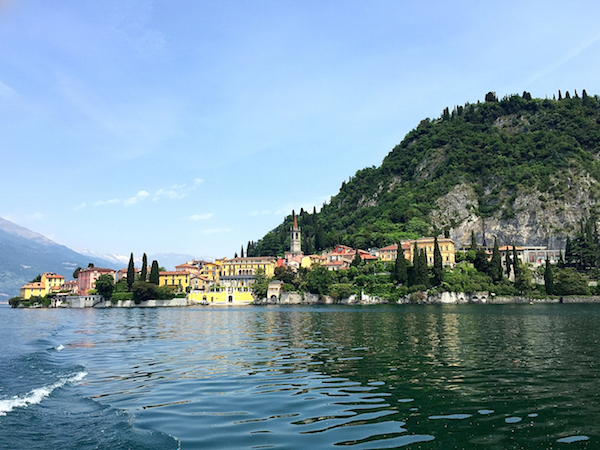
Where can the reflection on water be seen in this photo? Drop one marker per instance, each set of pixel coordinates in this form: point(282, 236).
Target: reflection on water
point(494, 377)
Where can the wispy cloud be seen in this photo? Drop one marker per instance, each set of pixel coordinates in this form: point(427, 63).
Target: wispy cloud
point(216, 230)
point(141, 195)
point(177, 191)
point(201, 216)
point(79, 207)
point(34, 216)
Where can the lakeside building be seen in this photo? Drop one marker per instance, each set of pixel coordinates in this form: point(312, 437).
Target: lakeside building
point(536, 256)
point(178, 279)
point(88, 276)
point(248, 266)
point(446, 245)
point(49, 282)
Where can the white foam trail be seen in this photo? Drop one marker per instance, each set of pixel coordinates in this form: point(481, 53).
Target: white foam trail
point(60, 347)
point(37, 395)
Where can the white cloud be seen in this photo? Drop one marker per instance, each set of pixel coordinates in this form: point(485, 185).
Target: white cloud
point(216, 230)
point(198, 181)
point(141, 195)
point(79, 207)
point(136, 198)
point(201, 216)
point(34, 216)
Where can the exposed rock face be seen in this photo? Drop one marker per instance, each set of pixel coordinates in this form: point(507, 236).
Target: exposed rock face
point(534, 219)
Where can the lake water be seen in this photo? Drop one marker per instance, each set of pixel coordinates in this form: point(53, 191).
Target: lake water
point(416, 377)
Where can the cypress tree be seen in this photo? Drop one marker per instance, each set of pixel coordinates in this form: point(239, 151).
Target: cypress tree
point(357, 261)
point(508, 262)
point(495, 268)
point(423, 273)
point(549, 278)
point(144, 272)
point(473, 241)
point(559, 95)
point(438, 268)
point(242, 251)
point(400, 267)
point(154, 273)
point(515, 259)
point(130, 273)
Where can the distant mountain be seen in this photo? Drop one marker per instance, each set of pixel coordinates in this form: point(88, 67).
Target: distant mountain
point(24, 254)
point(520, 169)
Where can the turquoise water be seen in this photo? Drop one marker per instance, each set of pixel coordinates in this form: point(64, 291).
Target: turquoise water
point(417, 377)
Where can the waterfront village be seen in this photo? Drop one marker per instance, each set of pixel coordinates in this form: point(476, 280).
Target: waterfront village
point(229, 281)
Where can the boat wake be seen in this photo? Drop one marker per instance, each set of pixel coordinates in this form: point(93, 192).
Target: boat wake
point(37, 395)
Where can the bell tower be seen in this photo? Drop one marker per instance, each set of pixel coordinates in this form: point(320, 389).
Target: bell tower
point(295, 237)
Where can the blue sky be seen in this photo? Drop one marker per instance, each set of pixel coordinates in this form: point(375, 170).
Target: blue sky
point(196, 126)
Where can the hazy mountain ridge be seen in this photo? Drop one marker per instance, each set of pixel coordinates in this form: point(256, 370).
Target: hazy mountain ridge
point(24, 254)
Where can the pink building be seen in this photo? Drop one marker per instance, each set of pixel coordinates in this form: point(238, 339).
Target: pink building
point(87, 278)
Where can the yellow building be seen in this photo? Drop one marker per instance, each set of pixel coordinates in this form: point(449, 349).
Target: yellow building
point(241, 295)
point(211, 271)
point(180, 279)
point(36, 289)
point(249, 266)
point(51, 280)
point(48, 282)
point(446, 249)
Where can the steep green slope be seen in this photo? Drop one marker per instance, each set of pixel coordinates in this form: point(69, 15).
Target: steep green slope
point(521, 169)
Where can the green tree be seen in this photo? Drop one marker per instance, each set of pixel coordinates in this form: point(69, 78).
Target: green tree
point(438, 267)
point(105, 285)
point(495, 266)
point(76, 273)
point(523, 278)
point(357, 261)
point(242, 251)
point(319, 280)
point(481, 262)
point(130, 273)
point(515, 260)
point(401, 266)
point(508, 262)
point(570, 282)
point(37, 279)
point(154, 273)
point(144, 271)
point(473, 242)
point(549, 278)
point(260, 285)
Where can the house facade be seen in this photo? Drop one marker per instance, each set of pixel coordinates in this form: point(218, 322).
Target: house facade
point(87, 278)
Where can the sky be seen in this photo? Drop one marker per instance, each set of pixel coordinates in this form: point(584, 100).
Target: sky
point(193, 127)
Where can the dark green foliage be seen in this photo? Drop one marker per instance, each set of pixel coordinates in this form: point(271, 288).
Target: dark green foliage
point(438, 268)
point(515, 260)
point(76, 273)
point(319, 280)
point(130, 273)
point(357, 261)
point(144, 271)
point(508, 263)
point(242, 252)
point(473, 242)
point(549, 277)
point(154, 273)
point(260, 285)
point(105, 285)
point(481, 262)
point(401, 266)
point(495, 266)
point(37, 279)
point(499, 148)
point(569, 282)
point(143, 291)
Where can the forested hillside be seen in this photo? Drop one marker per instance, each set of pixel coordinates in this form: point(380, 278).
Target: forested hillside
point(521, 169)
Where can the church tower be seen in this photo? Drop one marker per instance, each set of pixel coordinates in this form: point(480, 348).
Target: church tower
point(295, 238)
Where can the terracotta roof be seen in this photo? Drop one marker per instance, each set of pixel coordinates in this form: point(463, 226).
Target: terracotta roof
point(177, 272)
point(390, 247)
